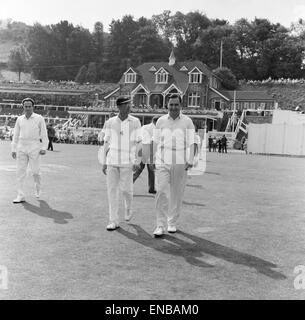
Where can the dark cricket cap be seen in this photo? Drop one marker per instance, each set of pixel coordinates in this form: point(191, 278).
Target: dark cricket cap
point(28, 99)
point(122, 100)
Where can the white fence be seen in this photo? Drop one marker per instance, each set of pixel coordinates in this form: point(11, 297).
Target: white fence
point(286, 139)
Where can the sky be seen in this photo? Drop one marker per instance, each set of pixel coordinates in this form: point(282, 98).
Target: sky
point(87, 12)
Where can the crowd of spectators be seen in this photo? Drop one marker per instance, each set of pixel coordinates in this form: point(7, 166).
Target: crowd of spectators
point(72, 136)
point(272, 81)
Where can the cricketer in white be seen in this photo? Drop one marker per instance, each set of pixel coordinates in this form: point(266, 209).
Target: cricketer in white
point(174, 149)
point(30, 140)
point(121, 156)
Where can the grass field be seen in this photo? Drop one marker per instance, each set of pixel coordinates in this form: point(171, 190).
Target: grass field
point(241, 232)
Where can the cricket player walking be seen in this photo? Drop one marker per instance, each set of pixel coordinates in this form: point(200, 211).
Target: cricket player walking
point(30, 140)
point(121, 156)
point(174, 143)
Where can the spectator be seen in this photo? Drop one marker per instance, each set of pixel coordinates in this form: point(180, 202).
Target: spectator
point(214, 144)
point(224, 144)
point(219, 144)
point(210, 143)
point(51, 136)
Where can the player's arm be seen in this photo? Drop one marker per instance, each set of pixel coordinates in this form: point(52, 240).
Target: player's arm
point(156, 139)
point(138, 157)
point(106, 138)
point(190, 136)
point(16, 134)
point(44, 136)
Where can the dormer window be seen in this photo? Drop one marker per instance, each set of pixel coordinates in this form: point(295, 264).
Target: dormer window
point(195, 76)
point(130, 76)
point(161, 76)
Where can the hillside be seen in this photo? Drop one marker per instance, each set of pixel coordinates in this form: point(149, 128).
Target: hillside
point(12, 33)
point(5, 48)
point(288, 95)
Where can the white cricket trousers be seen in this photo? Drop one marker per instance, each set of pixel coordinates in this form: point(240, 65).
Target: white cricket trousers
point(119, 178)
point(28, 157)
point(170, 185)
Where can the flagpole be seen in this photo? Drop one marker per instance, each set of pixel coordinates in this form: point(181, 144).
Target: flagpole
point(220, 62)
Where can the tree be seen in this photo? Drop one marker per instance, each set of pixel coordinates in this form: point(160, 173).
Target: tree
point(164, 25)
point(18, 60)
point(227, 77)
point(81, 76)
point(122, 36)
point(80, 49)
point(148, 44)
point(42, 48)
point(92, 73)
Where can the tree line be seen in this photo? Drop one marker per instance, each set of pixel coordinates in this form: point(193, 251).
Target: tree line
point(252, 50)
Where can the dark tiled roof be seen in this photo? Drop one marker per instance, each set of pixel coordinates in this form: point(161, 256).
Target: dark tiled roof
point(247, 95)
point(179, 78)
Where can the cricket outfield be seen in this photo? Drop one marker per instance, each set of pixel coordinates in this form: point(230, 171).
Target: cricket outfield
point(241, 233)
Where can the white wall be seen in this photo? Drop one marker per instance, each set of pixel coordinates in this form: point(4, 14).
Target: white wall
point(287, 116)
point(277, 138)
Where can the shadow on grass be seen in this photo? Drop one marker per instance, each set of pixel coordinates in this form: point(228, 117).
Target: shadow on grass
point(200, 248)
point(45, 211)
point(184, 202)
point(186, 251)
point(210, 172)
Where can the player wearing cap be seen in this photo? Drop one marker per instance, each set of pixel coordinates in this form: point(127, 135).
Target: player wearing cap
point(30, 140)
point(121, 156)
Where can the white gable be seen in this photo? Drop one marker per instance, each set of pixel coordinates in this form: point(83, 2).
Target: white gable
point(161, 70)
point(195, 70)
point(184, 68)
point(130, 70)
point(153, 68)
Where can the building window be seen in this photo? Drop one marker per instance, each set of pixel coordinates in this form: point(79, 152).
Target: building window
point(194, 99)
point(162, 77)
point(130, 78)
point(246, 105)
point(252, 105)
point(263, 105)
point(112, 102)
point(195, 77)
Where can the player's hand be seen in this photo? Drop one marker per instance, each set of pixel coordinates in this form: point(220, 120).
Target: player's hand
point(153, 167)
point(104, 169)
point(42, 152)
point(14, 155)
point(135, 167)
point(188, 165)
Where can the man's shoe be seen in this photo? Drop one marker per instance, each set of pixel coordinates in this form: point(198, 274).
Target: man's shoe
point(152, 191)
point(19, 199)
point(171, 229)
point(128, 215)
point(159, 231)
point(112, 226)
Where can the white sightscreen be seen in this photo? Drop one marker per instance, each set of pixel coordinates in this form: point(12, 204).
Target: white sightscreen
point(277, 139)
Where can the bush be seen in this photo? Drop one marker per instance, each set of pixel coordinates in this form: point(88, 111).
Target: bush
point(227, 77)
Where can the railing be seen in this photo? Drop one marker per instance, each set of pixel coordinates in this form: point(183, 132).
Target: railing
point(213, 113)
